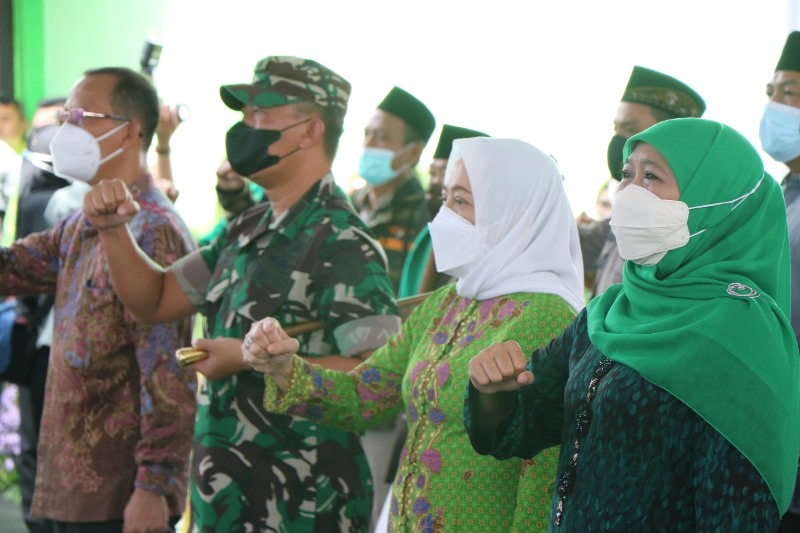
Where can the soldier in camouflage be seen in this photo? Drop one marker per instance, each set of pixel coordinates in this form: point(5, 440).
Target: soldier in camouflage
point(302, 255)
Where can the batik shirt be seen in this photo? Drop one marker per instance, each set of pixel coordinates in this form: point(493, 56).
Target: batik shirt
point(118, 410)
point(441, 483)
point(395, 221)
point(646, 461)
point(257, 471)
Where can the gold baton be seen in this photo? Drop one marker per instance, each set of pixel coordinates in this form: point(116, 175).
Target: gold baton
point(187, 356)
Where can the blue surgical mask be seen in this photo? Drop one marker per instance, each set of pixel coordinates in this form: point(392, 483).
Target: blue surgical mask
point(780, 131)
point(375, 165)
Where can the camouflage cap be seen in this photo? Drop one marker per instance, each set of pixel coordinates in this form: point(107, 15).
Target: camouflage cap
point(650, 87)
point(282, 80)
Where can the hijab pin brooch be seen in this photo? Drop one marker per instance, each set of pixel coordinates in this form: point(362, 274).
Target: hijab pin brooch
point(741, 290)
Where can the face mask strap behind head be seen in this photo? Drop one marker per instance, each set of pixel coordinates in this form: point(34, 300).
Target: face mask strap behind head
point(400, 151)
point(290, 152)
point(736, 201)
point(108, 134)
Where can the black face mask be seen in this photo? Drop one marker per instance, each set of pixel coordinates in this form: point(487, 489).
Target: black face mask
point(247, 148)
point(614, 155)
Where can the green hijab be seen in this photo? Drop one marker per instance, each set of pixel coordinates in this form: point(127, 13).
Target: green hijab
point(691, 323)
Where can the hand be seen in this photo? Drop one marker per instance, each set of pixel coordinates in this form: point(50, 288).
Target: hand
point(109, 204)
point(224, 357)
point(267, 348)
point(500, 367)
point(228, 179)
point(145, 512)
point(168, 122)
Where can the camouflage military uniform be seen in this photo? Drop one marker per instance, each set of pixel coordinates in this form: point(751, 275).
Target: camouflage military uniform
point(395, 221)
point(257, 471)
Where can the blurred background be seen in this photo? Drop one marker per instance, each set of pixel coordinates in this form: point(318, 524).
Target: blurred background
point(550, 73)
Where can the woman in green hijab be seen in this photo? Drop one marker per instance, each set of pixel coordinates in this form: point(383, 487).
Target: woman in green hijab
point(675, 395)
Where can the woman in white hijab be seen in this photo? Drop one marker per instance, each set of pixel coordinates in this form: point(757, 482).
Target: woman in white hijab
point(507, 233)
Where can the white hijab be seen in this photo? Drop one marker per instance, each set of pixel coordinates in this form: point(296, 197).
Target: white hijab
point(525, 219)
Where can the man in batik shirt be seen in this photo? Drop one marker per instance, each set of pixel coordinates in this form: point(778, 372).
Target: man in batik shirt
point(116, 428)
point(300, 256)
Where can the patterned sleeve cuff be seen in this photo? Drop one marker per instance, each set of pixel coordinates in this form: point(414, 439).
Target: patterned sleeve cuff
point(276, 401)
point(157, 478)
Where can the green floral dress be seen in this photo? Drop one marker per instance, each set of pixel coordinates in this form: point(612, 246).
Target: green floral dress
point(441, 483)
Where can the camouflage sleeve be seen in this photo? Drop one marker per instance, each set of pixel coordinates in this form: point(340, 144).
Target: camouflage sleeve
point(193, 271)
point(364, 334)
point(355, 292)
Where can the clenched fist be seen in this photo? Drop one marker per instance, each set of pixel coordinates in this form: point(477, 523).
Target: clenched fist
point(267, 348)
point(499, 368)
point(108, 204)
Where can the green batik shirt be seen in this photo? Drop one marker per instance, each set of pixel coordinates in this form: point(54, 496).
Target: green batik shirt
point(395, 221)
point(441, 485)
point(257, 471)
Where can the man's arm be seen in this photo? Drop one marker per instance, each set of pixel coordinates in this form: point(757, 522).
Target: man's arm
point(149, 291)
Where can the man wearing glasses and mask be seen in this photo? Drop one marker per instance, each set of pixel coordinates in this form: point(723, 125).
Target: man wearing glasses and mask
point(301, 255)
point(115, 433)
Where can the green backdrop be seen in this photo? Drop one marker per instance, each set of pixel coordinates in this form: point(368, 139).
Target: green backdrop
point(56, 40)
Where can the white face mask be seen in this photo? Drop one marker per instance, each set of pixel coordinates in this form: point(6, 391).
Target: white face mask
point(457, 244)
point(647, 227)
point(779, 131)
point(76, 152)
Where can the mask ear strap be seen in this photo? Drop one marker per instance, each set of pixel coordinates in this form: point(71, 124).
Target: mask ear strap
point(295, 124)
point(738, 200)
point(114, 130)
point(115, 153)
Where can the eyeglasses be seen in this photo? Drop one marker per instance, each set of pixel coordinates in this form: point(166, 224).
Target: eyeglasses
point(75, 115)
